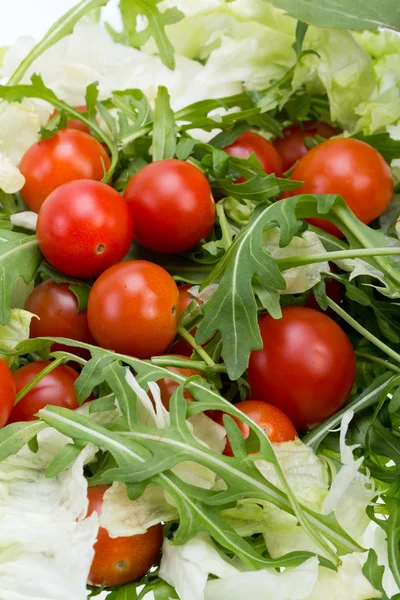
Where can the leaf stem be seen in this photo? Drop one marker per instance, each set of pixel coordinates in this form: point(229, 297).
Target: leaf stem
point(53, 365)
point(380, 361)
point(363, 331)
point(295, 261)
point(174, 361)
point(200, 351)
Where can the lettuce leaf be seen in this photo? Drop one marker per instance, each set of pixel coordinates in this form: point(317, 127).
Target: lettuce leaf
point(16, 331)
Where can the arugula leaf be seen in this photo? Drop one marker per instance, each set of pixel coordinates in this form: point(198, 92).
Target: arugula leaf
point(301, 30)
point(374, 572)
point(131, 10)
point(389, 148)
point(344, 14)
point(164, 128)
point(13, 437)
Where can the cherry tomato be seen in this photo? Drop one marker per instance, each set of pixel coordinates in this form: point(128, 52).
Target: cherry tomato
point(306, 368)
point(75, 123)
point(334, 290)
point(56, 388)
point(277, 426)
point(168, 386)
point(351, 168)
point(183, 347)
point(67, 156)
point(133, 309)
point(121, 560)
point(7, 392)
point(249, 143)
point(84, 227)
point(57, 308)
point(291, 147)
point(171, 205)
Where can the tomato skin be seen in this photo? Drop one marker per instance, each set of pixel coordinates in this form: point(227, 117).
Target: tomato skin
point(306, 368)
point(7, 393)
point(351, 168)
point(291, 146)
point(277, 426)
point(57, 308)
point(182, 347)
point(133, 309)
point(83, 228)
point(171, 205)
point(121, 560)
point(168, 386)
point(68, 156)
point(74, 123)
point(250, 142)
point(56, 388)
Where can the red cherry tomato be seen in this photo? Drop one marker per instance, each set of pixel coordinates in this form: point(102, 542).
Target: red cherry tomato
point(277, 426)
point(306, 368)
point(84, 227)
point(67, 156)
point(249, 143)
point(171, 205)
point(121, 560)
point(74, 123)
point(56, 388)
point(351, 168)
point(57, 308)
point(168, 386)
point(183, 347)
point(291, 147)
point(133, 309)
point(334, 291)
point(7, 392)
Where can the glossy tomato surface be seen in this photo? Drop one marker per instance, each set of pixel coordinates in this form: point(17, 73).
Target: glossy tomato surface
point(83, 228)
point(351, 168)
point(56, 388)
point(277, 426)
point(171, 205)
point(7, 392)
point(133, 309)
point(58, 311)
point(168, 386)
point(291, 146)
point(183, 347)
point(67, 156)
point(121, 560)
point(75, 123)
point(251, 142)
point(306, 368)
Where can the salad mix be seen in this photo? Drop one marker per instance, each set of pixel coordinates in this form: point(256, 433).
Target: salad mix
point(199, 316)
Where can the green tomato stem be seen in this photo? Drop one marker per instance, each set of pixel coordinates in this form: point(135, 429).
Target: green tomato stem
point(53, 365)
point(200, 351)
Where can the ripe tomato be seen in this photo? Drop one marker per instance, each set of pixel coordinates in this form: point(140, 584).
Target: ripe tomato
point(249, 143)
point(306, 368)
point(121, 560)
point(56, 388)
point(171, 205)
point(67, 156)
point(183, 347)
point(7, 392)
point(133, 309)
point(291, 146)
point(75, 123)
point(334, 290)
point(351, 168)
point(57, 308)
point(277, 426)
point(84, 227)
point(168, 386)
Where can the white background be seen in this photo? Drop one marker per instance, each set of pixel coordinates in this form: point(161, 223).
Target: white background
point(35, 17)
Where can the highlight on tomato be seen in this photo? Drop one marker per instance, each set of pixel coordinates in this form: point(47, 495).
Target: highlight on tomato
point(351, 168)
point(58, 310)
point(121, 560)
point(254, 143)
point(84, 227)
point(7, 392)
point(307, 365)
point(74, 123)
point(171, 205)
point(292, 145)
point(55, 388)
point(69, 155)
point(133, 309)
